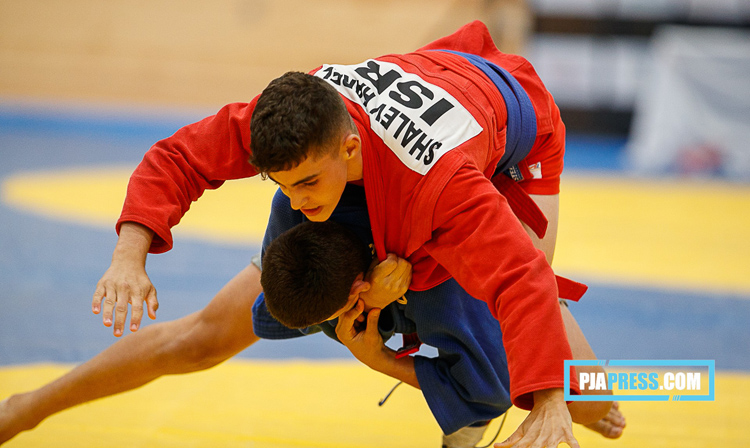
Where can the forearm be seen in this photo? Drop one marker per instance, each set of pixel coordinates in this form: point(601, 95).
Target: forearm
point(368, 347)
point(401, 369)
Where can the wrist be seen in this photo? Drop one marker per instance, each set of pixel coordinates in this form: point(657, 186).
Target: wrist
point(133, 244)
point(552, 395)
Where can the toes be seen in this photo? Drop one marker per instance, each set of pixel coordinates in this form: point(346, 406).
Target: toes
point(607, 428)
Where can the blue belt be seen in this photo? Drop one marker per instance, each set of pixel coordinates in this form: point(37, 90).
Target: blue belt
point(521, 125)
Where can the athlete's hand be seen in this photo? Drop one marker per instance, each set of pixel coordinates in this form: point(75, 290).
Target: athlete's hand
point(547, 425)
point(366, 344)
point(389, 280)
point(126, 281)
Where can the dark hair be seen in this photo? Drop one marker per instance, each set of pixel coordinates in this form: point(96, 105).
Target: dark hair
point(297, 115)
point(308, 272)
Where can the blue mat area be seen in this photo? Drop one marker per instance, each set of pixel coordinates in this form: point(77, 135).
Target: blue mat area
point(48, 269)
point(624, 322)
point(136, 134)
point(594, 152)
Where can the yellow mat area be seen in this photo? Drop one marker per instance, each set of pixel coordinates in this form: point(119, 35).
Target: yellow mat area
point(330, 404)
point(673, 233)
point(236, 213)
point(677, 234)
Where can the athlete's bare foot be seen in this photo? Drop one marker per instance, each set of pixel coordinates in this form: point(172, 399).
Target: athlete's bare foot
point(612, 425)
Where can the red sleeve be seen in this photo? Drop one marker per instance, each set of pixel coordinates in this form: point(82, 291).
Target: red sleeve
point(177, 170)
point(548, 151)
point(483, 246)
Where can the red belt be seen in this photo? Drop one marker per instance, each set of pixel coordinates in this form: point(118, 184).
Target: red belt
point(529, 213)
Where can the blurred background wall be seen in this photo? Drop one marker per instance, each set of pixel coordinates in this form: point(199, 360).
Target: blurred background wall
point(597, 57)
point(672, 76)
point(197, 53)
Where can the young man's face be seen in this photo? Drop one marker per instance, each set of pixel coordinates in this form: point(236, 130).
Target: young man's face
point(315, 185)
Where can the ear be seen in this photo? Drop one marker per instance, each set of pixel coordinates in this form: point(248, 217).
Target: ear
point(352, 145)
point(359, 286)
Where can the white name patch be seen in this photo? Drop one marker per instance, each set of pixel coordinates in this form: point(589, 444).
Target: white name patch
point(420, 122)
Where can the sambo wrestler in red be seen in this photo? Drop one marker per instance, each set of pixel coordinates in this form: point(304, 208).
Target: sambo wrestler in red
point(428, 131)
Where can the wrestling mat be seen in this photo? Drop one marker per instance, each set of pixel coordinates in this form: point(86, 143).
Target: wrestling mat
point(666, 262)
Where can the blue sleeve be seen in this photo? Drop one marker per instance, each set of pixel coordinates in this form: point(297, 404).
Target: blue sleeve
point(266, 327)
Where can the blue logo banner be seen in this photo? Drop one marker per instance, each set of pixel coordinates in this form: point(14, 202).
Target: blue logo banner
point(642, 380)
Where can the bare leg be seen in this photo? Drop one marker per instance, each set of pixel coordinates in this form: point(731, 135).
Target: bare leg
point(195, 342)
point(550, 206)
point(584, 412)
point(600, 416)
point(603, 417)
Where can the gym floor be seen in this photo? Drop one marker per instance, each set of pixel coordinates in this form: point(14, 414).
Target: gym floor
point(87, 87)
point(665, 260)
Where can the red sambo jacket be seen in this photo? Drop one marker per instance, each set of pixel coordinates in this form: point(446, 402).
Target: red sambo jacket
point(433, 129)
